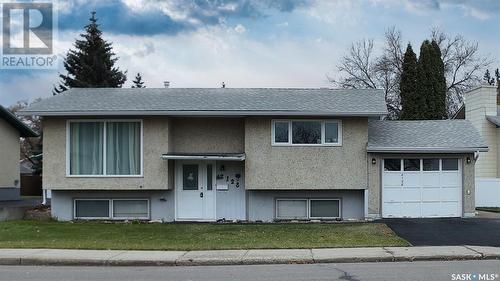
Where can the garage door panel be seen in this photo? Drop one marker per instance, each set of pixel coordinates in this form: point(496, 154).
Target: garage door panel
point(431, 209)
point(450, 194)
point(431, 193)
point(411, 209)
point(410, 194)
point(392, 194)
point(392, 179)
point(430, 179)
point(392, 209)
point(451, 209)
point(412, 179)
point(451, 179)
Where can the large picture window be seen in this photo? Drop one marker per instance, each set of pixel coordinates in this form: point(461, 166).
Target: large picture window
point(105, 148)
point(307, 132)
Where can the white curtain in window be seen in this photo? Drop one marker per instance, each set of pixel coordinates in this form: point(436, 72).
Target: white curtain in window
point(123, 148)
point(86, 148)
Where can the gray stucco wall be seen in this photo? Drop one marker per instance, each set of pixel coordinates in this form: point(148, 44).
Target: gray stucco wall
point(301, 167)
point(209, 135)
point(161, 202)
point(262, 204)
point(156, 136)
point(9, 163)
point(375, 180)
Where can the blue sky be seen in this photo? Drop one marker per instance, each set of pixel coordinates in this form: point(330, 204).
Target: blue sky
point(250, 43)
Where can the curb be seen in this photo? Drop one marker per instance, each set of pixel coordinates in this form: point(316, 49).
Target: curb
point(248, 257)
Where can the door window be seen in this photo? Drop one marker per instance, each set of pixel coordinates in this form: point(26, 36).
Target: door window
point(392, 164)
point(190, 177)
point(431, 164)
point(450, 164)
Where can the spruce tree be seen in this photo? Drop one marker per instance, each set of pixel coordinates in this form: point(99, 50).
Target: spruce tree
point(411, 102)
point(431, 82)
point(488, 79)
point(92, 63)
point(138, 83)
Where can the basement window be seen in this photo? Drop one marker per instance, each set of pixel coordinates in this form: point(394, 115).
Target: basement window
point(308, 208)
point(118, 209)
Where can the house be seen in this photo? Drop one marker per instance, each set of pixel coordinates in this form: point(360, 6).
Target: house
point(11, 130)
point(482, 109)
point(250, 154)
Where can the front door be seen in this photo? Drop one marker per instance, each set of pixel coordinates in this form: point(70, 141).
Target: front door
point(195, 190)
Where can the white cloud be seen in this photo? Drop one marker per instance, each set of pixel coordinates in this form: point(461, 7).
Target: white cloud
point(240, 28)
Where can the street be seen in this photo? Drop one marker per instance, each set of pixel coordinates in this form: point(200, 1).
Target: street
point(412, 271)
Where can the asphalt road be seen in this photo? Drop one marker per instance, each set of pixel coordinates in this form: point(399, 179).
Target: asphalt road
point(411, 271)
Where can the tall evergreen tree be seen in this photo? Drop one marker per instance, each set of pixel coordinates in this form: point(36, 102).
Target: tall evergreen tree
point(488, 79)
point(411, 102)
point(138, 83)
point(431, 81)
point(92, 63)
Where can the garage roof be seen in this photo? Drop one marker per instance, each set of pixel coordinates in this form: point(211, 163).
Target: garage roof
point(424, 136)
point(9, 117)
point(212, 101)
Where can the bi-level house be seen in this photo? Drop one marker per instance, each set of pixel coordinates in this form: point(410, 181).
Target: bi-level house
point(11, 130)
point(250, 154)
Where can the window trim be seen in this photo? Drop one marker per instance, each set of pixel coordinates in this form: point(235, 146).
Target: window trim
point(104, 175)
point(308, 208)
point(92, 199)
point(111, 210)
point(290, 133)
point(292, 199)
point(325, 199)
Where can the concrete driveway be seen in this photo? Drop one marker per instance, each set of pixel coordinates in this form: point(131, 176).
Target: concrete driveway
point(447, 232)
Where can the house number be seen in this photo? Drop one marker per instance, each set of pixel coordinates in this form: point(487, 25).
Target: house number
point(232, 181)
point(238, 185)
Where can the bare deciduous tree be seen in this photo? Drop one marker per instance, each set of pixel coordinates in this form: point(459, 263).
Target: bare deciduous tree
point(361, 68)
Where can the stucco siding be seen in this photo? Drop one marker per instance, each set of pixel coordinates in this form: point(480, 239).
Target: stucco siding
point(207, 135)
point(301, 167)
point(262, 204)
point(156, 135)
point(479, 103)
point(375, 180)
point(9, 154)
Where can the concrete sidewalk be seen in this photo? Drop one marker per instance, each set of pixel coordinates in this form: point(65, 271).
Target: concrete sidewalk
point(233, 257)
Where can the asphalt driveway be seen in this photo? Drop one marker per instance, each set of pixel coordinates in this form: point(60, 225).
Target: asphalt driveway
point(447, 232)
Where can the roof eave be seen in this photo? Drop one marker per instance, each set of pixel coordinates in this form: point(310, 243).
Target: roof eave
point(24, 130)
point(426, 149)
point(200, 113)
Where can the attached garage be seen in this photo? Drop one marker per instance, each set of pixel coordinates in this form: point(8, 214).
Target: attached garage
point(421, 188)
point(421, 169)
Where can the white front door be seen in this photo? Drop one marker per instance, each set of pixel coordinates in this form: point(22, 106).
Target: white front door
point(195, 193)
point(422, 188)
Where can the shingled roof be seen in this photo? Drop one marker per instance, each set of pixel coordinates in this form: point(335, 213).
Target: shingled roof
point(206, 101)
point(452, 136)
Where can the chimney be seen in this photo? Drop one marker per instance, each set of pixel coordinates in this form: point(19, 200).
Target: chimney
point(166, 84)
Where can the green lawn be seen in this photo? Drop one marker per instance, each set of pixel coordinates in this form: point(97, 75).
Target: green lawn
point(155, 236)
point(489, 209)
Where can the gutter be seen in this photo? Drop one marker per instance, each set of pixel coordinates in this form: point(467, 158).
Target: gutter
point(426, 149)
point(234, 113)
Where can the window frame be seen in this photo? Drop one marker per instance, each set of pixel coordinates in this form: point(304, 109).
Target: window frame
point(325, 199)
point(111, 215)
point(92, 218)
point(290, 133)
point(308, 208)
point(104, 149)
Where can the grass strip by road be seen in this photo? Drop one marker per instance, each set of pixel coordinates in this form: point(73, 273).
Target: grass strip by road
point(192, 236)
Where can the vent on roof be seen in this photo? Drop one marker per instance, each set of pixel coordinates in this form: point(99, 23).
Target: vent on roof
point(166, 84)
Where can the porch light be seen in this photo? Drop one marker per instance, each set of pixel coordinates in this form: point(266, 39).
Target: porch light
point(468, 160)
point(374, 161)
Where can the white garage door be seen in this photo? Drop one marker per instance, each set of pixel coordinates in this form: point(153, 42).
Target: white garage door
point(421, 188)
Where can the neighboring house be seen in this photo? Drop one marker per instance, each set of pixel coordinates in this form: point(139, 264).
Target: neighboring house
point(250, 154)
point(11, 130)
point(482, 109)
